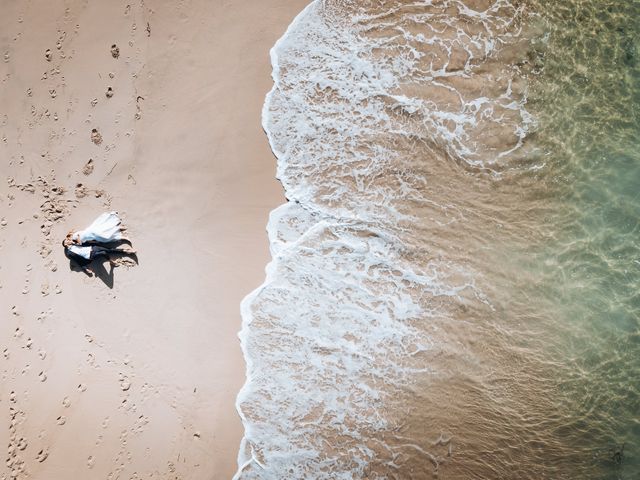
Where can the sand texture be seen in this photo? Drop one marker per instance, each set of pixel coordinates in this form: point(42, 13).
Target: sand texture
point(151, 109)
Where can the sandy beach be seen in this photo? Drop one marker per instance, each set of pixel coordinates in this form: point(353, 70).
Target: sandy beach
point(151, 109)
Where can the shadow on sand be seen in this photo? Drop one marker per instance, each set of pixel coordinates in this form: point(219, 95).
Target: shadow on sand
point(98, 267)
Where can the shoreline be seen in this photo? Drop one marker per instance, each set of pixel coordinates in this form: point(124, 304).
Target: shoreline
point(244, 456)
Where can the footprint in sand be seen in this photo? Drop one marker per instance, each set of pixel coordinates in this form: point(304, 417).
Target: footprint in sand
point(42, 455)
point(125, 384)
point(42, 376)
point(81, 191)
point(109, 92)
point(42, 354)
point(48, 55)
point(66, 403)
point(22, 444)
point(44, 251)
point(115, 51)
point(88, 167)
point(53, 93)
point(91, 461)
point(96, 137)
point(17, 333)
point(61, 420)
point(94, 102)
point(82, 387)
point(16, 472)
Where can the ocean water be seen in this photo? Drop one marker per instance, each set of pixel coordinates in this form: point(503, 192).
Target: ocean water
point(455, 284)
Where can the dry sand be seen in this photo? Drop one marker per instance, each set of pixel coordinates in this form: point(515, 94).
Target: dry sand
point(134, 374)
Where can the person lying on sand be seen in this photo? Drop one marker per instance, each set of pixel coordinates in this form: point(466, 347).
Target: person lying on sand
point(84, 246)
point(83, 255)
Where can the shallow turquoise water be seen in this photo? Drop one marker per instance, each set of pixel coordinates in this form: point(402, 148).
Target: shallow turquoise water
point(587, 101)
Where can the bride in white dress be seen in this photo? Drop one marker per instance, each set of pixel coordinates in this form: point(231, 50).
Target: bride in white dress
point(104, 229)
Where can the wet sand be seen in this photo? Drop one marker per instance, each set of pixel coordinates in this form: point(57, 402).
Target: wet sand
point(151, 109)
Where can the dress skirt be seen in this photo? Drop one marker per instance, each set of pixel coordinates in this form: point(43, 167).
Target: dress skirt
point(104, 229)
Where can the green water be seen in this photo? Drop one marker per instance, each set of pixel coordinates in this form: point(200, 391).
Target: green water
point(586, 98)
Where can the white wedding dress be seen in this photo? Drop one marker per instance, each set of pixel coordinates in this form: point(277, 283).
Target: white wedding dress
point(104, 229)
